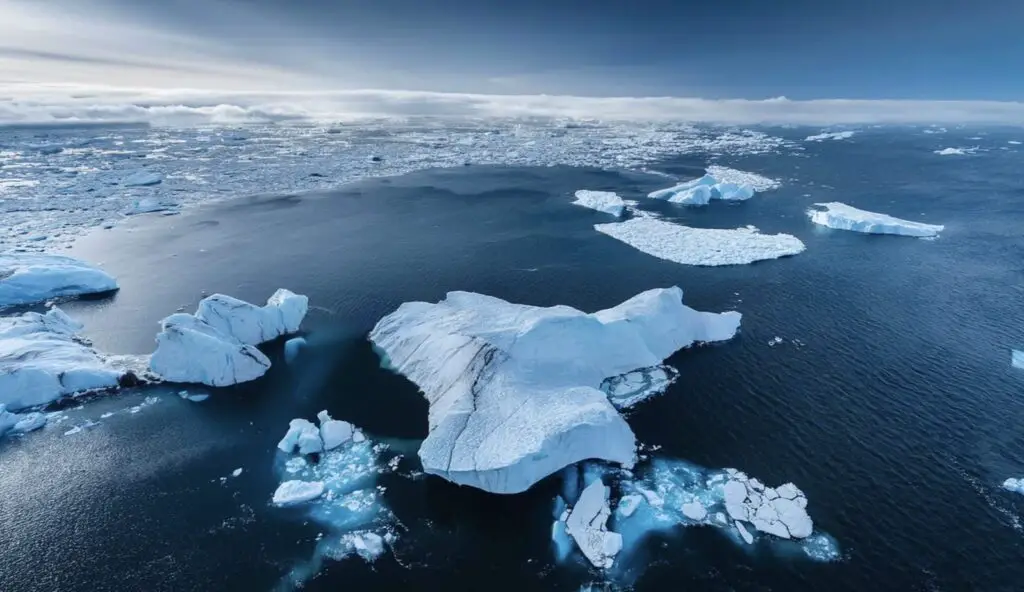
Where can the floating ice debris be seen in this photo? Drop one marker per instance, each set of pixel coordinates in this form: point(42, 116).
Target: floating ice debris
point(296, 492)
point(145, 403)
point(1014, 485)
point(27, 278)
point(1013, 142)
point(727, 175)
point(189, 350)
point(514, 389)
point(774, 341)
point(292, 347)
point(237, 472)
point(368, 545)
point(701, 246)
point(701, 191)
point(142, 179)
point(79, 428)
point(302, 434)
point(694, 510)
point(253, 324)
point(1017, 359)
point(20, 423)
point(42, 359)
point(844, 217)
point(148, 205)
point(194, 398)
point(587, 523)
point(333, 432)
point(829, 136)
point(956, 151)
point(602, 201)
point(629, 389)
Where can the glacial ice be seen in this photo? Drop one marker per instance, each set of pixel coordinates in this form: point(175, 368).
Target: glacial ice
point(587, 524)
point(42, 359)
point(829, 136)
point(602, 201)
point(296, 492)
point(701, 246)
point(514, 389)
point(699, 192)
point(28, 278)
point(1017, 359)
point(142, 179)
point(189, 350)
point(253, 324)
point(629, 389)
point(843, 217)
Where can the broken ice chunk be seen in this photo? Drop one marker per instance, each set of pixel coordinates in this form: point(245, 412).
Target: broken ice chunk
point(296, 492)
point(587, 524)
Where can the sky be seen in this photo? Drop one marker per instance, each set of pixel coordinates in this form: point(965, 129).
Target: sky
point(945, 50)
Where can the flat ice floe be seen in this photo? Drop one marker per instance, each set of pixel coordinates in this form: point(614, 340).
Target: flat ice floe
point(42, 358)
point(514, 390)
point(701, 246)
point(216, 346)
point(844, 217)
point(956, 151)
point(603, 201)
point(20, 423)
point(28, 278)
point(829, 136)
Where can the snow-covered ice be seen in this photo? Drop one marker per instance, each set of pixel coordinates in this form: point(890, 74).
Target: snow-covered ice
point(514, 390)
point(191, 351)
point(587, 524)
point(1014, 485)
point(237, 472)
point(845, 135)
point(701, 246)
point(843, 217)
point(296, 492)
point(602, 201)
point(1017, 359)
point(253, 324)
point(27, 278)
point(42, 359)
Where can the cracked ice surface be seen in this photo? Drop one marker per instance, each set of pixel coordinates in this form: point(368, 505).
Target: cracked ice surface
point(514, 389)
point(52, 188)
point(700, 246)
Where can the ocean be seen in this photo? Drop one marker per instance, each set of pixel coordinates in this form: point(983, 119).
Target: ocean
point(890, 400)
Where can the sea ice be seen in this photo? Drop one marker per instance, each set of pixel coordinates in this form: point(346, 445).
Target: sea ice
point(1014, 485)
point(142, 179)
point(701, 246)
point(237, 472)
point(844, 217)
point(368, 545)
point(27, 278)
point(302, 434)
point(253, 324)
point(727, 175)
point(514, 389)
point(587, 524)
point(1017, 359)
point(333, 432)
point(20, 423)
point(42, 359)
point(296, 492)
point(189, 350)
point(956, 151)
point(829, 136)
point(699, 192)
point(148, 205)
point(602, 201)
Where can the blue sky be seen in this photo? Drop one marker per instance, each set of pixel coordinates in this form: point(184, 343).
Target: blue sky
point(752, 49)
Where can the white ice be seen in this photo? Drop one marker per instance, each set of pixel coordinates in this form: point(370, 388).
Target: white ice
point(334, 432)
point(42, 359)
point(302, 434)
point(627, 390)
point(27, 278)
point(699, 192)
point(142, 179)
point(1017, 359)
point(602, 201)
point(191, 351)
point(1014, 485)
point(20, 423)
point(737, 177)
point(956, 151)
point(844, 217)
point(296, 492)
point(514, 389)
point(587, 524)
point(253, 324)
point(829, 136)
point(148, 205)
point(701, 246)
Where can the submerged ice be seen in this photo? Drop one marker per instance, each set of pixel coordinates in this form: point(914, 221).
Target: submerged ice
point(844, 217)
point(514, 390)
point(700, 246)
point(28, 278)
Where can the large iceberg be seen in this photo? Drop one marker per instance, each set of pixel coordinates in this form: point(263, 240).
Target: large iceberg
point(42, 358)
point(216, 346)
point(514, 390)
point(699, 192)
point(701, 246)
point(27, 278)
point(843, 217)
point(602, 201)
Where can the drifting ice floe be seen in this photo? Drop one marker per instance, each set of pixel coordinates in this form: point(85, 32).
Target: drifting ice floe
point(1017, 359)
point(701, 246)
point(727, 175)
point(42, 359)
point(844, 217)
point(602, 201)
point(1014, 485)
point(20, 423)
point(292, 347)
point(699, 192)
point(829, 136)
point(216, 346)
point(627, 390)
point(514, 389)
point(27, 278)
point(296, 492)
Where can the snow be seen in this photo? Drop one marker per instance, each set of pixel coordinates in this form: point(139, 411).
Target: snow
point(253, 324)
point(513, 390)
point(28, 278)
point(602, 201)
point(142, 179)
point(587, 524)
point(956, 151)
point(699, 192)
point(844, 217)
point(296, 492)
point(292, 347)
point(1017, 359)
point(42, 359)
point(1014, 485)
point(701, 246)
point(829, 136)
point(191, 351)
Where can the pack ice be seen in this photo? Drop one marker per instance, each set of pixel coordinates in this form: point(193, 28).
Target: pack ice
point(843, 217)
point(602, 201)
point(42, 358)
point(28, 278)
point(514, 390)
point(216, 346)
point(700, 246)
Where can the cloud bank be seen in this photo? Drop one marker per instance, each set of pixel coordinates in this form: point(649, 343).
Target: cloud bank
point(30, 104)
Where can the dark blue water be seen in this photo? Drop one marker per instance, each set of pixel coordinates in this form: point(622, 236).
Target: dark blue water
point(898, 416)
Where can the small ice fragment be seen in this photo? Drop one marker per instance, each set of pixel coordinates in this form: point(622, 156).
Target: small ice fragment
point(695, 511)
point(236, 472)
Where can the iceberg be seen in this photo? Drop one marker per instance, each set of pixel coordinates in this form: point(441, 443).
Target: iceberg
point(253, 324)
point(701, 246)
point(829, 136)
point(843, 217)
point(20, 423)
point(587, 524)
point(602, 201)
point(296, 492)
point(42, 359)
point(513, 390)
point(142, 179)
point(28, 278)
point(1014, 485)
point(1017, 359)
point(189, 350)
point(727, 175)
point(310, 439)
point(701, 191)
point(956, 151)
point(334, 432)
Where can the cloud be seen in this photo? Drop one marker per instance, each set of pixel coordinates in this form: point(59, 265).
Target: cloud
point(49, 104)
